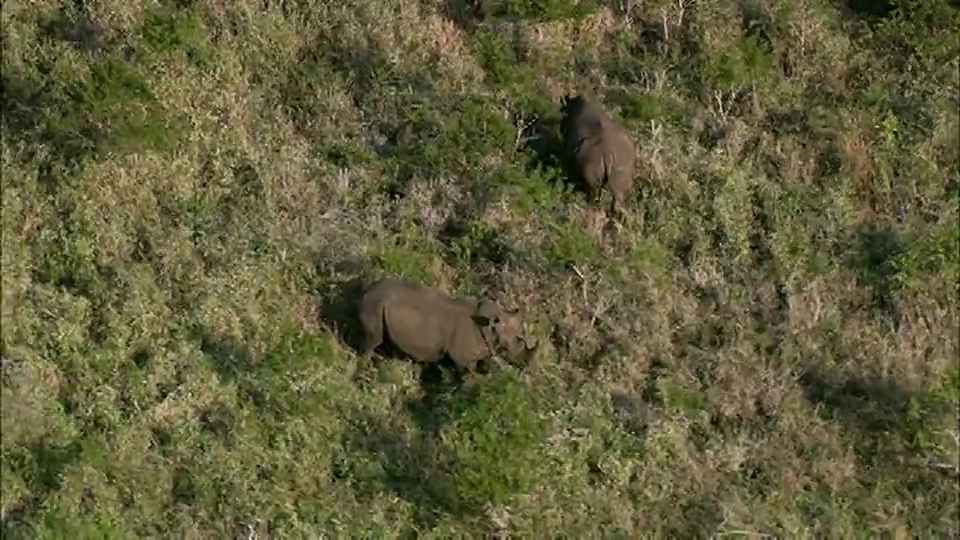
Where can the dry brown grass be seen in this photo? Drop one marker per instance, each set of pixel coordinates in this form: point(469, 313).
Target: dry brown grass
point(770, 347)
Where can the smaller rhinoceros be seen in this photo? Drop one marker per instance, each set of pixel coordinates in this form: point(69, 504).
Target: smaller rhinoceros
point(596, 151)
point(427, 324)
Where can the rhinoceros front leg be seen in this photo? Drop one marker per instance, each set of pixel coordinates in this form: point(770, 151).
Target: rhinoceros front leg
point(370, 342)
point(464, 359)
point(372, 337)
point(464, 363)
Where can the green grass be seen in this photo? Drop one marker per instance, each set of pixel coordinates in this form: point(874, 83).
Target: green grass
point(768, 345)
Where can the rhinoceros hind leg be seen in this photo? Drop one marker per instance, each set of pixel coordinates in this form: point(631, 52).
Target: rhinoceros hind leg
point(372, 322)
point(593, 192)
point(617, 210)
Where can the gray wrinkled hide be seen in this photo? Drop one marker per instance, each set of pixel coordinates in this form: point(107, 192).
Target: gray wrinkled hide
point(596, 151)
point(427, 324)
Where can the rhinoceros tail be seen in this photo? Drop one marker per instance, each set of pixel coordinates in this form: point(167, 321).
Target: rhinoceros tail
point(609, 161)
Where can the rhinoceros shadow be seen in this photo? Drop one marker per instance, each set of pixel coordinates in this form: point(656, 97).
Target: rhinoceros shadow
point(339, 311)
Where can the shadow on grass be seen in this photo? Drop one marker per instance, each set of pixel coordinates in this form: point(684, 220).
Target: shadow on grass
point(470, 241)
point(381, 457)
point(75, 26)
point(887, 423)
point(891, 428)
point(25, 103)
point(112, 107)
point(634, 412)
point(872, 253)
point(316, 65)
point(870, 10)
point(465, 14)
point(544, 147)
point(408, 464)
point(339, 309)
point(468, 446)
point(542, 140)
point(230, 359)
point(267, 380)
point(40, 465)
point(872, 407)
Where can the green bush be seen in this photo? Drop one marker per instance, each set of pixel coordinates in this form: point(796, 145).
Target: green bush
point(920, 36)
point(747, 62)
point(674, 395)
point(80, 527)
point(453, 132)
point(539, 10)
point(474, 241)
point(915, 67)
point(936, 253)
point(403, 260)
point(639, 108)
point(167, 30)
point(68, 258)
point(111, 109)
point(627, 58)
point(500, 58)
point(538, 190)
point(570, 243)
point(478, 127)
point(271, 383)
point(493, 437)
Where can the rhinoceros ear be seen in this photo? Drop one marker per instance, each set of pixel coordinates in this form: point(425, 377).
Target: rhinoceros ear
point(482, 320)
point(488, 308)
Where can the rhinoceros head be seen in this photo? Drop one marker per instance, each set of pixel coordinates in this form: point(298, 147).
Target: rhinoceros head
point(501, 328)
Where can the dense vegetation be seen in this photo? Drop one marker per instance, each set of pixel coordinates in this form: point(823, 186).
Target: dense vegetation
point(191, 191)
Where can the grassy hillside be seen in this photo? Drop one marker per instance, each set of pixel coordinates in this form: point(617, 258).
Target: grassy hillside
point(767, 346)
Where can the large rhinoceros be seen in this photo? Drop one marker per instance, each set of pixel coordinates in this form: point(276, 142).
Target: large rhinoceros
point(427, 324)
point(596, 151)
